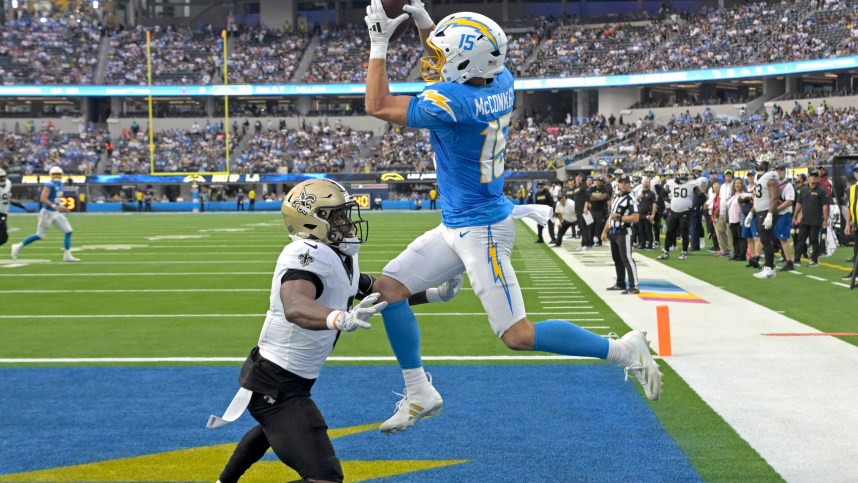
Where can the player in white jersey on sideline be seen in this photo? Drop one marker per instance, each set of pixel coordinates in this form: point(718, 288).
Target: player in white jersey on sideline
point(5, 201)
point(315, 280)
point(683, 191)
point(52, 213)
point(766, 192)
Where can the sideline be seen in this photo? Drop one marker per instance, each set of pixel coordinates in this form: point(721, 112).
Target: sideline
point(791, 398)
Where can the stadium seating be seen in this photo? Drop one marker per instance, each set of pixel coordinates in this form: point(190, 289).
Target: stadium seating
point(30, 149)
point(53, 51)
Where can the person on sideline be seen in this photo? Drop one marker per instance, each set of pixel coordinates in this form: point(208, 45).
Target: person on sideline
point(624, 214)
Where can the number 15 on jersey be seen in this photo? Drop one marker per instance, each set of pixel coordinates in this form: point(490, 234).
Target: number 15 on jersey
point(491, 158)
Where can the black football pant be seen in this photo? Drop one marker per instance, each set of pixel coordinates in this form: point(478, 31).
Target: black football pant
point(4, 233)
point(677, 221)
point(767, 238)
point(249, 450)
point(550, 231)
point(298, 434)
point(807, 233)
point(564, 225)
point(656, 226)
point(621, 252)
point(599, 220)
point(584, 230)
point(645, 231)
point(740, 245)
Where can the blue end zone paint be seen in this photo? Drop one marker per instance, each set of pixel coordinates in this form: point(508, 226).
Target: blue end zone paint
point(515, 423)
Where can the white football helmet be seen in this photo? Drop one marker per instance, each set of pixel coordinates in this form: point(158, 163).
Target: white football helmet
point(466, 45)
point(56, 171)
point(2, 173)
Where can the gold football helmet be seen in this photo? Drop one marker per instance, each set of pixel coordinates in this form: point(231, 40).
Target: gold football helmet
point(321, 209)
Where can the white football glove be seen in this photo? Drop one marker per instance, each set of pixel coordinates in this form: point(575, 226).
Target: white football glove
point(446, 291)
point(767, 223)
point(748, 219)
point(380, 29)
point(418, 12)
point(357, 316)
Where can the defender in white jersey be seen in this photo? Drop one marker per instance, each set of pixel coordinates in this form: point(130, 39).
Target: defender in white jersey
point(5, 201)
point(766, 193)
point(52, 213)
point(683, 192)
point(315, 280)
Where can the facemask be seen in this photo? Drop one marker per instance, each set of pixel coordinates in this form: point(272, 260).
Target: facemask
point(349, 246)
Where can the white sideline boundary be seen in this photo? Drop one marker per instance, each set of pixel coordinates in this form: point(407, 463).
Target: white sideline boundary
point(791, 398)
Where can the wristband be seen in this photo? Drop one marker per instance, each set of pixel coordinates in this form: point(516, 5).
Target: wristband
point(378, 50)
point(331, 321)
point(432, 295)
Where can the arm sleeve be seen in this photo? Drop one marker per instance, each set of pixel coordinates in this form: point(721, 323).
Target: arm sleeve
point(293, 274)
point(365, 284)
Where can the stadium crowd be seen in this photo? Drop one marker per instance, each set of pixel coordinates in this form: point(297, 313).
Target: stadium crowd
point(55, 50)
point(314, 148)
point(264, 56)
point(198, 149)
point(179, 56)
point(343, 51)
point(746, 34)
point(32, 149)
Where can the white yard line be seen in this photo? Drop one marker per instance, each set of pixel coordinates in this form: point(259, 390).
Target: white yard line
point(816, 278)
point(177, 316)
point(791, 398)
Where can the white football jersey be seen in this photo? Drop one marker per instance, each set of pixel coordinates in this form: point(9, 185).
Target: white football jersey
point(5, 197)
point(682, 196)
point(761, 190)
point(291, 347)
point(668, 188)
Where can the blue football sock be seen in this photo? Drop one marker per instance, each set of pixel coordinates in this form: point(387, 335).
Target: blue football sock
point(403, 334)
point(68, 241)
point(31, 239)
point(566, 338)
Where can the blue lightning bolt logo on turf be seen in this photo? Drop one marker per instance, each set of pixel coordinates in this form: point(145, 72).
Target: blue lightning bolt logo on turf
point(439, 100)
point(497, 269)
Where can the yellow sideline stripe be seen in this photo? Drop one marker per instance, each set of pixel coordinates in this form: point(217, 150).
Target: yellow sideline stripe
point(204, 463)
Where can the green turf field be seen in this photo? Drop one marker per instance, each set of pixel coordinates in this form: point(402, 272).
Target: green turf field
point(166, 286)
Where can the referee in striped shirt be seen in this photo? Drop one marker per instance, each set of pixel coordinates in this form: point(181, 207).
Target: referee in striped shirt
point(618, 229)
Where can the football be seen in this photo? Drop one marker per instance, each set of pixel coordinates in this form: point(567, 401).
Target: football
point(393, 9)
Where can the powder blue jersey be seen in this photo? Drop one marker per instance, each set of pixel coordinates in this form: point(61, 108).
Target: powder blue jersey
point(468, 126)
point(56, 193)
